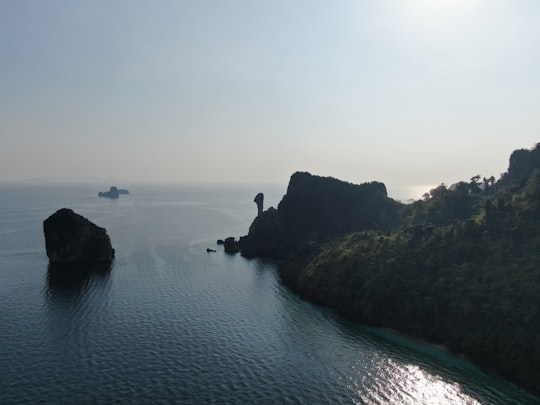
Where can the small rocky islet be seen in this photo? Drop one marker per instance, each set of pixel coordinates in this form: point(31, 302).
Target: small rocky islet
point(114, 192)
point(72, 238)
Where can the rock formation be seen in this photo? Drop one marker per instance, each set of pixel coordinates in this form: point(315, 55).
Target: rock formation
point(315, 209)
point(259, 199)
point(71, 238)
point(267, 237)
point(231, 245)
point(114, 192)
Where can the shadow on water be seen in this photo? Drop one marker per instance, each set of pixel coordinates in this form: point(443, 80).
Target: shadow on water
point(69, 280)
point(75, 297)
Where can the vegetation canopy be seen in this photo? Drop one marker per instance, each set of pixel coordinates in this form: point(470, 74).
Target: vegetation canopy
point(460, 267)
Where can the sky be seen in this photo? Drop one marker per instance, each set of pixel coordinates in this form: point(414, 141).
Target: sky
point(407, 92)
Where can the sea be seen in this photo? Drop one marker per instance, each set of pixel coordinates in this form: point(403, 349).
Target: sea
point(170, 323)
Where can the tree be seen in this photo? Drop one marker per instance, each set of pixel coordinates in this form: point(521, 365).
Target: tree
point(438, 191)
point(475, 184)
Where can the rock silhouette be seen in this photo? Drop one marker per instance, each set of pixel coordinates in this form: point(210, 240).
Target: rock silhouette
point(114, 192)
point(316, 209)
point(259, 200)
point(71, 238)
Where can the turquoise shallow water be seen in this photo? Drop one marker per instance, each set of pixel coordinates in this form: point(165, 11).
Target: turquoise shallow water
point(170, 323)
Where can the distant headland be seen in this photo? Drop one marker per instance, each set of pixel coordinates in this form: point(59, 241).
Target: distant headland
point(114, 192)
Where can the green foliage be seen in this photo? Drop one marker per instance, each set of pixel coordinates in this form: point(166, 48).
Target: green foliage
point(462, 270)
point(443, 206)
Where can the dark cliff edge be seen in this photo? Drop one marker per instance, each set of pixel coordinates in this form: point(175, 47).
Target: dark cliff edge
point(460, 267)
point(316, 209)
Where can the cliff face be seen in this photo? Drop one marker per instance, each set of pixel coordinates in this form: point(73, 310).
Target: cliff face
point(315, 209)
point(523, 162)
point(267, 237)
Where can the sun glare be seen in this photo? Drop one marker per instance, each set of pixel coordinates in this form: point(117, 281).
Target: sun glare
point(439, 16)
point(446, 5)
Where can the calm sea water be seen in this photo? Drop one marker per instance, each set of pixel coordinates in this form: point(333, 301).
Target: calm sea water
point(171, 323)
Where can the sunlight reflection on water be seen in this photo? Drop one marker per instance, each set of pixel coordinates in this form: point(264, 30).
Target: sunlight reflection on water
point(422, 387)
point(408, 384)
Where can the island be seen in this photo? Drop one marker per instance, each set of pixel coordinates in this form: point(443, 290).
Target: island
point(114, 192)
point(460, 267)
point(72, 238)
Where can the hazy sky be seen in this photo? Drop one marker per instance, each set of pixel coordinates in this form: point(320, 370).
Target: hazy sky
point(401, 91)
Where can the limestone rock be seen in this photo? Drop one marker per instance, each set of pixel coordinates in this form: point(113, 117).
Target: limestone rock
point(316, 209)
point(231, 245)
point(112, 193)
point(259, 200)
point(71, 238)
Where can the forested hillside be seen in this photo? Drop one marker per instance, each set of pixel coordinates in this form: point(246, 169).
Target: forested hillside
point(460, 267)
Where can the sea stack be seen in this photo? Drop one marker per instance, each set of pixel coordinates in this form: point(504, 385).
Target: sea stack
point(71, 238)
point(259, 199)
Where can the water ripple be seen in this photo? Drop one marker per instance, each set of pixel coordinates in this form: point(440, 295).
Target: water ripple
point(170, 323)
